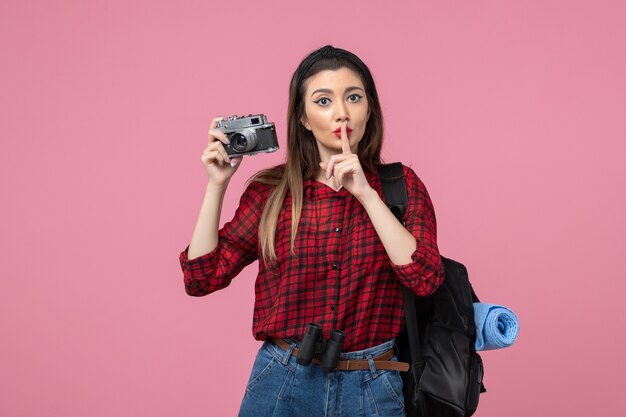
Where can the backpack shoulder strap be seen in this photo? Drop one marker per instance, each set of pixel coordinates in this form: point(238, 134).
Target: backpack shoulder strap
point(394, 191)
point(394, 188)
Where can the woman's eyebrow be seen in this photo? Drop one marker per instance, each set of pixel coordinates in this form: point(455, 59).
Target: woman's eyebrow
point(329, 91)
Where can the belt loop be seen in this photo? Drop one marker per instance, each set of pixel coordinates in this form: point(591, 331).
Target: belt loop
point(370, 360)
point(287, 354)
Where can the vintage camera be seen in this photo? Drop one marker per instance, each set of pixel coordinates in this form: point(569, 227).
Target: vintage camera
point(248, 135)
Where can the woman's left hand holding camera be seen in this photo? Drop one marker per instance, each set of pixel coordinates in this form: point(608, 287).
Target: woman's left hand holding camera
point(219, 168)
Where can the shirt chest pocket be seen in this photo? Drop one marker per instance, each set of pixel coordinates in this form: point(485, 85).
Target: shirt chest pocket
point(365, 245)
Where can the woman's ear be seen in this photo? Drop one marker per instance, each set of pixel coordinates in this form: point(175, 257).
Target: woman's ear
point(305, 123)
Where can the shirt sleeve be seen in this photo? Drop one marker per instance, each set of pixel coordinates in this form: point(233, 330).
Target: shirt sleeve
point(237, 247)
point(425, 272)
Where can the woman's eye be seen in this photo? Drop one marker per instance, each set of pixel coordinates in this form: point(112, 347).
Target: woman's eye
point(322, 101)
point(354, 97)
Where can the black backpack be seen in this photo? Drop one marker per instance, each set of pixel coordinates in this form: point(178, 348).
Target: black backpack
point(446, 373)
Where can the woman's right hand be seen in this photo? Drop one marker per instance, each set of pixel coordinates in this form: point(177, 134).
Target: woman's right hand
point(218, 165)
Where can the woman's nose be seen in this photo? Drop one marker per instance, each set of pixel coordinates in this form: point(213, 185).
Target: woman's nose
point(342, 112)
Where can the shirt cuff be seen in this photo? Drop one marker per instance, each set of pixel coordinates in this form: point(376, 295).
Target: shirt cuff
point(197, 266)
point(424, 273)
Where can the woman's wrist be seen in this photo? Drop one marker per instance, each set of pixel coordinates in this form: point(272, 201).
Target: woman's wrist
point(369, 196)
point(214, 188)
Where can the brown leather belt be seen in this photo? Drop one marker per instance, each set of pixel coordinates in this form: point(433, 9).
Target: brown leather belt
point(380, 362)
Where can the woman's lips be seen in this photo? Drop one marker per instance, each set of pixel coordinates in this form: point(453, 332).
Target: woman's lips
point(338, 132)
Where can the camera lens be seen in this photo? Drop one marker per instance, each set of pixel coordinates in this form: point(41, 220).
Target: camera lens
point(243, 140)
point(238, 141)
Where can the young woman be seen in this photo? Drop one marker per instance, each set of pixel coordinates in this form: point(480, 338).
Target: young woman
point(330, 251)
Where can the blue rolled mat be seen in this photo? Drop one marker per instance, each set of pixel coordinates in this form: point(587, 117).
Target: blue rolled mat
point(496, 326)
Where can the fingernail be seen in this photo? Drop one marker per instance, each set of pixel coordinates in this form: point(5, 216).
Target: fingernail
point(233, 163)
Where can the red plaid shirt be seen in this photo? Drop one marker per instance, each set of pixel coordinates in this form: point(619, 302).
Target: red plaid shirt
point(341, 276)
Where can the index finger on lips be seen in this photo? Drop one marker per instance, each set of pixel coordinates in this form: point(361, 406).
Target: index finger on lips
point(345, 143)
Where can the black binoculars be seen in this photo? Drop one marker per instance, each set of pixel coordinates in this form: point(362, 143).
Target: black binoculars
point(328, 349)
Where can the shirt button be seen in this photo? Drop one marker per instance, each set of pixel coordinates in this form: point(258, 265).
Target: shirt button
point(335, 267)
point(337, 229)
point(332, 308)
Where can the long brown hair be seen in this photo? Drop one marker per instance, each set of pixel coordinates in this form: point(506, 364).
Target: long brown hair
point(302, 153)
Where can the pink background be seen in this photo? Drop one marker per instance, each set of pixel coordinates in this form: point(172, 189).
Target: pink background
point(512, 113)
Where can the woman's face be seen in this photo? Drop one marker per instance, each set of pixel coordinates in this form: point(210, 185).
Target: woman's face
point(332, 96)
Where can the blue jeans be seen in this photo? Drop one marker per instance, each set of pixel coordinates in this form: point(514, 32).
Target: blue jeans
point(279, 386)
